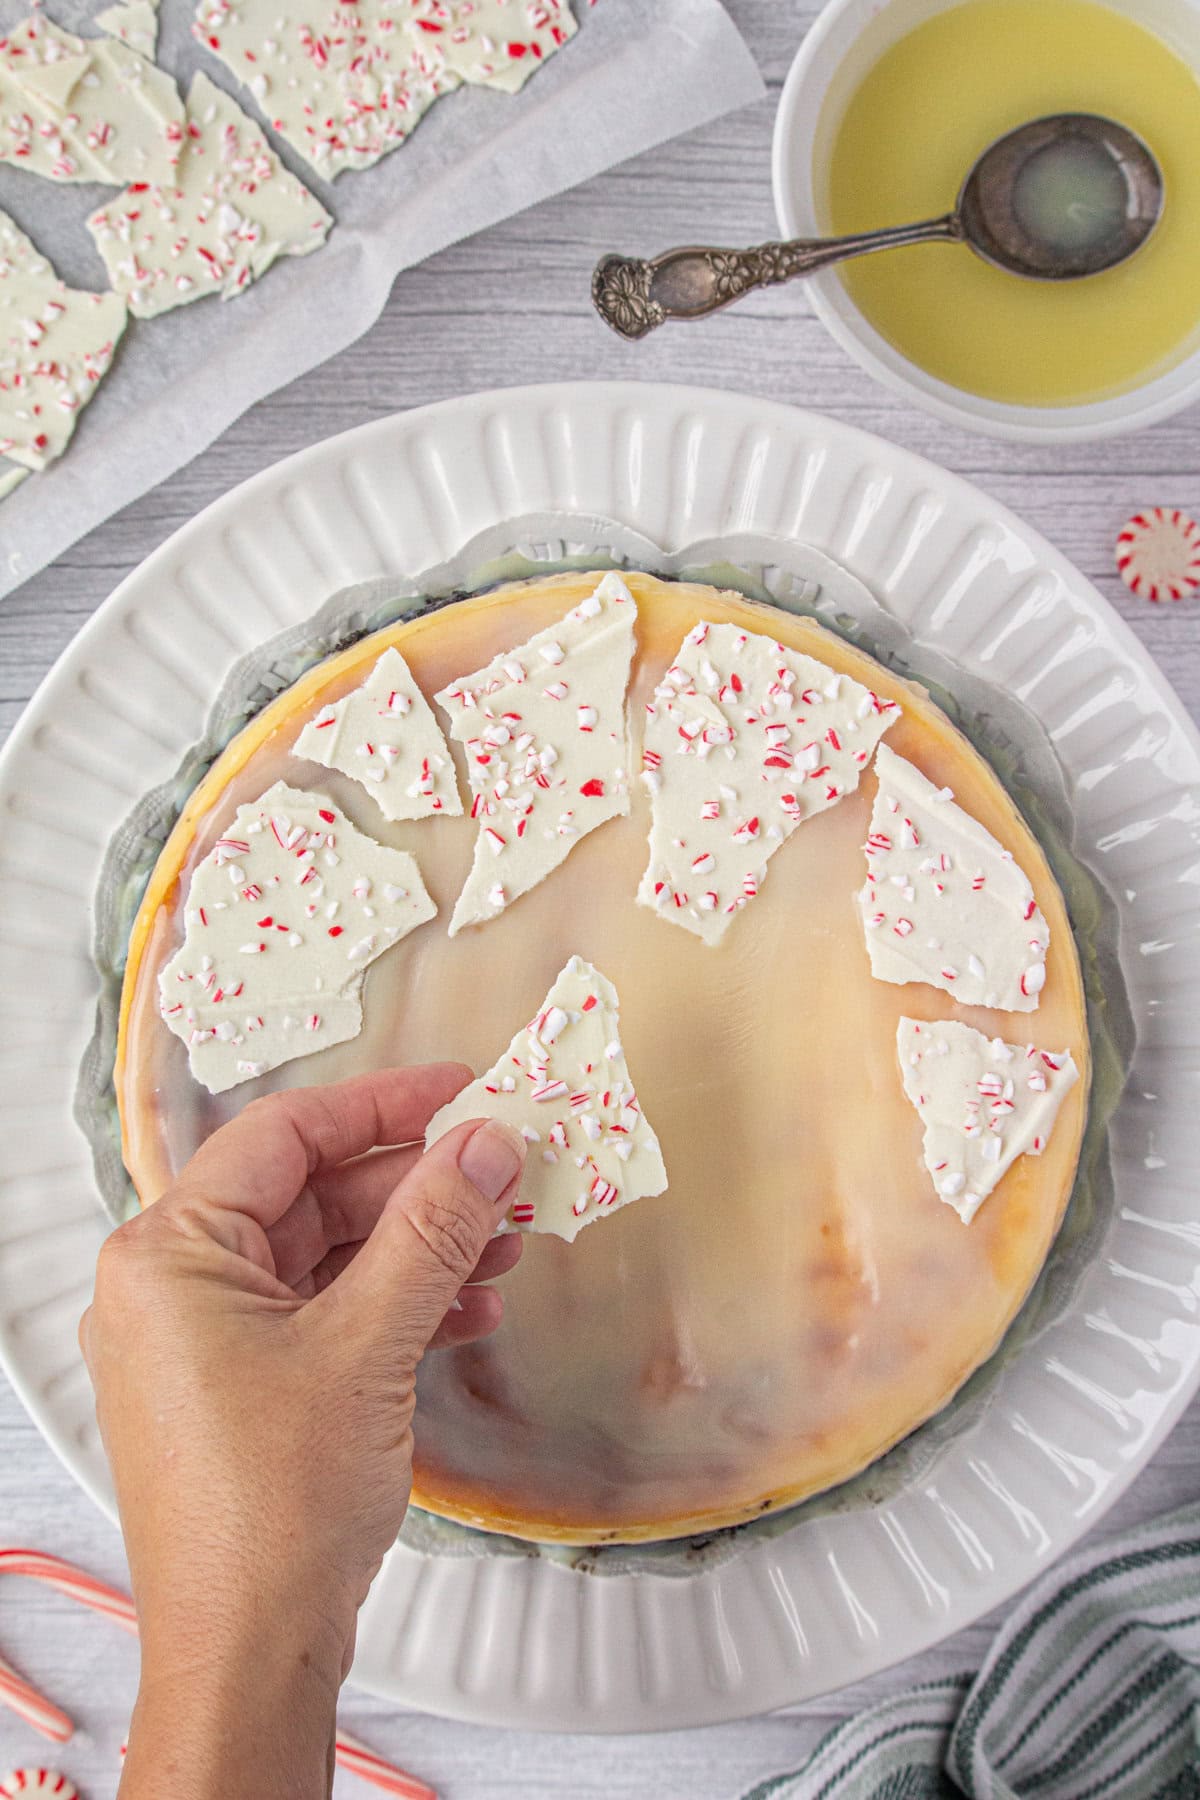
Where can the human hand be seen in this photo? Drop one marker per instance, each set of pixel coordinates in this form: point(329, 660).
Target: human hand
point(253, 1342)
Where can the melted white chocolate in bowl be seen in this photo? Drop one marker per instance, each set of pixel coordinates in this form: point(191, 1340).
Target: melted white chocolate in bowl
point(799, 1299)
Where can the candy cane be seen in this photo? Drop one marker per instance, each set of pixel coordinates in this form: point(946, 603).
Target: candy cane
point(33, 1707)
point(45, 1717)
point(360, 1761)
point(38, 1565)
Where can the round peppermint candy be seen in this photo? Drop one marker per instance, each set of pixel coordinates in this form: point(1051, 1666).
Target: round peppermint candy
point(38, 1781)
point(1158, 554)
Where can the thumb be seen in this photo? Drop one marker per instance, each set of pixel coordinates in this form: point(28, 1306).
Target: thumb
point(432, 1232)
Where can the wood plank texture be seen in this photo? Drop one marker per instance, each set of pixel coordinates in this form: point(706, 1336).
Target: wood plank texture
point(508, 307)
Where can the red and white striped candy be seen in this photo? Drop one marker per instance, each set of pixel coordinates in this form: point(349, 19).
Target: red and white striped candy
point(356, 1758)
point(44, 1716)
point(1158, 554)
point(38, 1565)
point(28, 1704)
point(38, 1781)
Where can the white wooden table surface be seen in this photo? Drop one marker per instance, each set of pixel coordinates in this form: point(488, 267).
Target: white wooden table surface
point(512, 306)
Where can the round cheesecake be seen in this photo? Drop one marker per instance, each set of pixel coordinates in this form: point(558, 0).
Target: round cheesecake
point(799, 1298)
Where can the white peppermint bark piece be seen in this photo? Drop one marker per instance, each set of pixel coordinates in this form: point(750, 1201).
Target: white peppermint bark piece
point(230, 210)
point(385, 736)
point(282, 919)
point(492, 43)
point(134, 23)
point(983, 1103)
point(943, 902)
point(344, 84)
point(56, 346)
point(547, 747)
point(744, 741)
point(563, 1084)
point(85, 109)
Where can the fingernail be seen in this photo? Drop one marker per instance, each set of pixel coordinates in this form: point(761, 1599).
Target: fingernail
point(492, 1157)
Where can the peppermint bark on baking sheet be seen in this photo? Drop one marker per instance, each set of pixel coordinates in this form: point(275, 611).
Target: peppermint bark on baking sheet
point(563, 1084)
point(228, 212)
point(983, 1103)
point(943, 901)
point(744, 741)
point(546, 737)
point(385, 736)
point(85, 109)
point(56, 346)
point(491, 43)
point(343, 84)
point(282, 919)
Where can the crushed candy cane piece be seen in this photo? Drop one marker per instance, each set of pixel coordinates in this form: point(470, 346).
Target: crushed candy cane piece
point(943, 901)
point(85, 109)
point(384, 735)
point(983, 1103)
point(491, 43)
point(572, 1089)
point(1158, 554)
point(230, 210)
point(744, 741)
point(539, 782)
point(56, 346)
point(282, 919)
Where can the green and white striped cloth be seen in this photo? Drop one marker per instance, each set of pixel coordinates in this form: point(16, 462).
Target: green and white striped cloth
point(1090, 1692)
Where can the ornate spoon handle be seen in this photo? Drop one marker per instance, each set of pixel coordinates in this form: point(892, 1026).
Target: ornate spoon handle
point(634, 296)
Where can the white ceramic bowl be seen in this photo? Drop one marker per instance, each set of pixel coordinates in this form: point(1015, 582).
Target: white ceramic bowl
point(848, 37)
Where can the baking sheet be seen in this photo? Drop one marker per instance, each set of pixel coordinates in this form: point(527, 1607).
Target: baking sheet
point(637, 73)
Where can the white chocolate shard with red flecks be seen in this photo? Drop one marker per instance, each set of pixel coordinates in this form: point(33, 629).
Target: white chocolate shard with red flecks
point(229, 211)
point(744, 741)
point(56, 345)
point(492, 43)
point(385, 736)
point(546, 738)
point(943, 901)
point(282, 920)
point(85, 109)
point(344, 84)
point(563, 1084)
point(133, 22)
point(983, 1103)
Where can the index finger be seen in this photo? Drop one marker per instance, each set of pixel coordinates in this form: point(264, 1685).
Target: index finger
point(260, 1161)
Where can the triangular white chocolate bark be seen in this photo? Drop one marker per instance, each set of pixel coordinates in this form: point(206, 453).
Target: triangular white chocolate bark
point(385, 736)
point(945, 903)
point(229, 209)
point(983, 1103)
point(547, 747)
point(56, 346)
point(282, 919)
point(563, 1083)
point(85, 109)
point(744, 741)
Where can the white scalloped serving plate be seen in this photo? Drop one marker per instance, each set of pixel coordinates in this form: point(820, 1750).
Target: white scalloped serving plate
point(1075, 1415)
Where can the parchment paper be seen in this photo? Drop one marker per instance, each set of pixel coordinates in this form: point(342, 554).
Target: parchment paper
point(798, 579)
point(637, 73)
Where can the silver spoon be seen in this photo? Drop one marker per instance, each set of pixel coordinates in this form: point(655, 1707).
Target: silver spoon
point(1057, 199)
